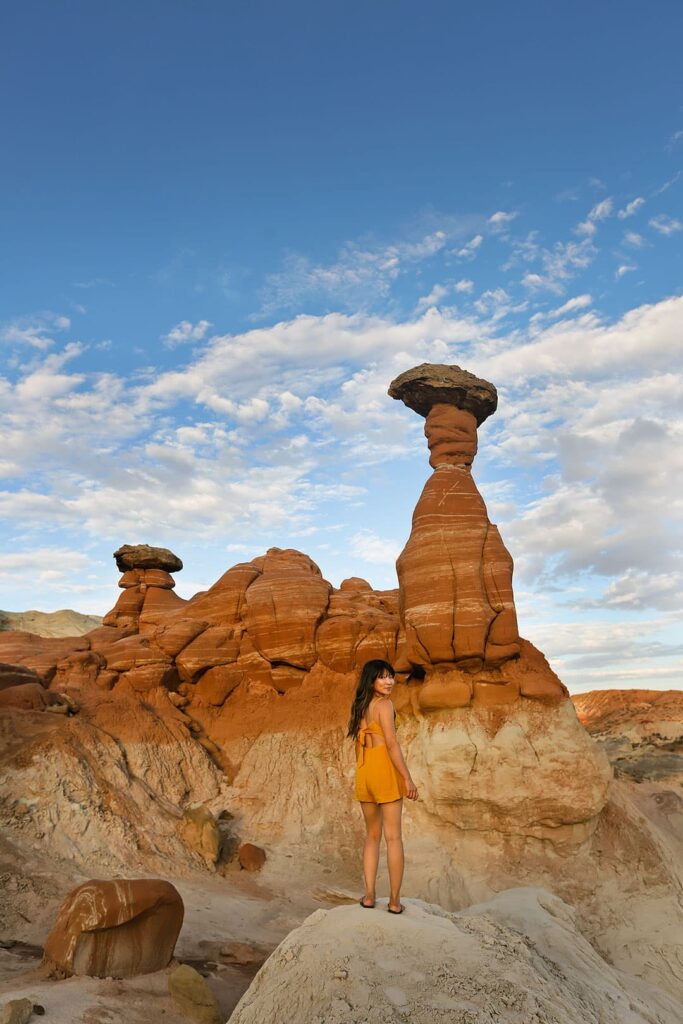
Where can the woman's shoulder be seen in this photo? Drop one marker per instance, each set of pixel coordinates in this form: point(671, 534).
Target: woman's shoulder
point(384, 705)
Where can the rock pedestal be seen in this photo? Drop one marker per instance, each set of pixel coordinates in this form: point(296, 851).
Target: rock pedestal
point(455, 573)
point(147, 586)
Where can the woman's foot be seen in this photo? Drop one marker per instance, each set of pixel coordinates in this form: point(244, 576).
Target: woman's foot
point(397, 908)
point(367, 902)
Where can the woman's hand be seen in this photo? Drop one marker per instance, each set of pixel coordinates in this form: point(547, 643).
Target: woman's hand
point(410, 787)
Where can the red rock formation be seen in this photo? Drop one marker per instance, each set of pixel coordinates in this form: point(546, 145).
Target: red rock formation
point(455, 574)
point(115, 929)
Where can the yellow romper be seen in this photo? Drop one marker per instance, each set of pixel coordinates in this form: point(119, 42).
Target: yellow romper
point(377, 780)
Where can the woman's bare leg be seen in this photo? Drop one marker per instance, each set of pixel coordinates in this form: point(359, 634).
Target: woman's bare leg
point(373, 835)
point(391, 823)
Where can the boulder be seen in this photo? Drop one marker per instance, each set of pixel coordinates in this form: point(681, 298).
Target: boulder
point(115, 929)
point(191, 993)
point(143, 556)
point(200, 832)
point(17, 1011)
point(251, 857)
point(429, 384)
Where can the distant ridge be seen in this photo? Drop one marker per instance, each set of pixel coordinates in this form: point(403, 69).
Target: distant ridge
point(64, 622)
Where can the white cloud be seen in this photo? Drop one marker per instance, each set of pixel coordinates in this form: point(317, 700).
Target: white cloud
point(631, 208)
point(358, 275)
point(669, 183)
point(646, 338)
point(634, 240)
point(674, 140)
point(185, 332)
point(571, 306)
point(366, 544)
point(464, 285)
point(665, 225)
point(586, 227)
point(435, 296)
point(601, 210)
point(624, 268)
point(500, 220)
point(539, 282)
point(469, 250)
point(55, 568)
point(35, 331)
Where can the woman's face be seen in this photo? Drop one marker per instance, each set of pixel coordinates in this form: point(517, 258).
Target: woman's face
point(384, 684)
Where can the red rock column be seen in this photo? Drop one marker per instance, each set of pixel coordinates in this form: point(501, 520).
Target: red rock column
point(455, 574)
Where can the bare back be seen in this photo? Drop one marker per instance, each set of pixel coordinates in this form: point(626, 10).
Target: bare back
point(374, 739)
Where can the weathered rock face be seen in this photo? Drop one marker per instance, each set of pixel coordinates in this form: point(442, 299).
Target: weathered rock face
point(115, 929)
point(284, 606)
point(528, 773)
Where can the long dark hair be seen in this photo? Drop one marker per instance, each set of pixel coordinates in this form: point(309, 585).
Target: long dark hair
point(365, 691)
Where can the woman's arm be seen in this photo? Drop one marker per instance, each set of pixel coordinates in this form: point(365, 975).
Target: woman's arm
point(385, 717)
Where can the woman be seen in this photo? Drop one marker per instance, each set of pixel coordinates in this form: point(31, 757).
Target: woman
point(382, 778)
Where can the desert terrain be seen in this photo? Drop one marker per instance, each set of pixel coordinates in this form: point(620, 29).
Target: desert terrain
point(202, 743)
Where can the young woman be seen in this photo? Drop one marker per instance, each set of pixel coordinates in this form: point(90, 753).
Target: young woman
point(382, 778)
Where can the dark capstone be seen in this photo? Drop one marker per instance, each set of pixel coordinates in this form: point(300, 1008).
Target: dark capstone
point(142, 556)
point(432, 383)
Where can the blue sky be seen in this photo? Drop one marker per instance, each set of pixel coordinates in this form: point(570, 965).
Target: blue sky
point(227, 227)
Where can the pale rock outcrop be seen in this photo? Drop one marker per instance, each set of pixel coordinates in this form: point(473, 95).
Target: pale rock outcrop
point(530, 772)
point(108, 787)
point(115, 929)
point(193, 996)
point(517, 959)
point(200, 831)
